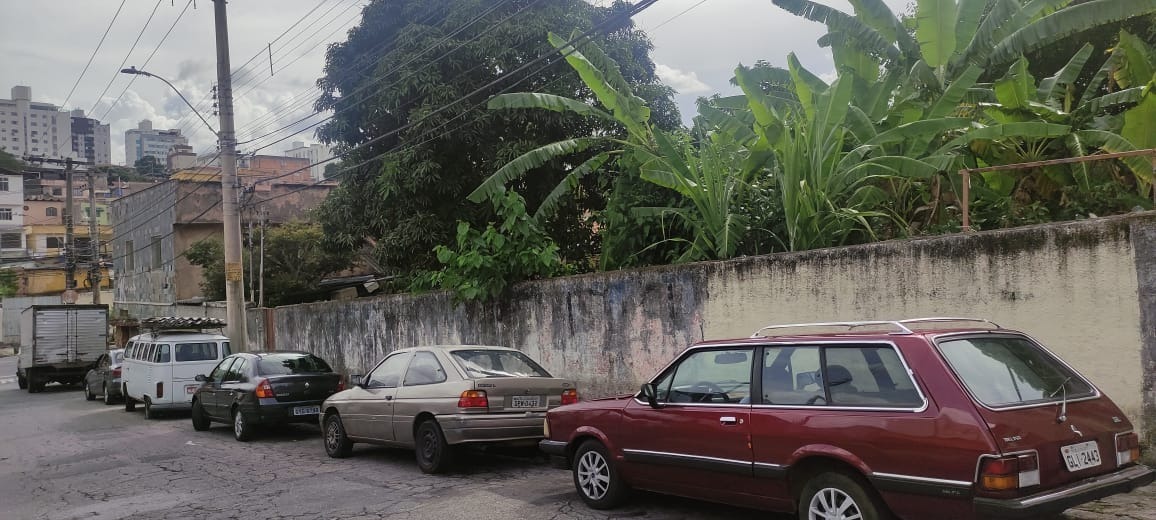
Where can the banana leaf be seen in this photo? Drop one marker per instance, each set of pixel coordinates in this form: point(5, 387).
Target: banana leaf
point(1067, 74)
point(935, 30)
point(1066, 22)
point(496, 184)
point(548, 102)
point(569, 184)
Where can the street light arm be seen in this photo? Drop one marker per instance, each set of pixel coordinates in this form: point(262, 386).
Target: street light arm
point(136, 71)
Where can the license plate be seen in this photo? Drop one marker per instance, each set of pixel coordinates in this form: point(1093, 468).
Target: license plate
point(1081, 456)
point(190, 389)
point(522, 401)
point(306, 410)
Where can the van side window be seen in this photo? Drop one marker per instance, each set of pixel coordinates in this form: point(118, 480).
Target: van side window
point(150, 353)
point(163, 356)
point(195, 351)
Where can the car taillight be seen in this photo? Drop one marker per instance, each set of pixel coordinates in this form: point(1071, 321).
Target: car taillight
point(569, 396)
point(1127, 448)
point(1013, 472)
point(160, 390)
point(116, 372)
point(340, 384)
point(264, 389)
point(473, 399)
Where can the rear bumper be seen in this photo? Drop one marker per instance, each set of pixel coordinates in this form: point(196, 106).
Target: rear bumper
point(557, 452)
point(492, 428)
point(1057, 500)
point(281, 413)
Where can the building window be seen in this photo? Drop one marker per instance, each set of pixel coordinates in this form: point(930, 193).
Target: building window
point(3, 183)
point(54, 243)
point(129, 256)
point(5, 213)
point(11, 240)
point(57, 191)
point(158, 258)
point(50, 212)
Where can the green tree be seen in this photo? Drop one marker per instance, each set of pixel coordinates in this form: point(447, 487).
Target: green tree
point(296, 262)
point(209, 255)
point(10, 162)
point(123, 173)
point(9, 282)
point(332, 169)
point(149, 166)
point(408, 202)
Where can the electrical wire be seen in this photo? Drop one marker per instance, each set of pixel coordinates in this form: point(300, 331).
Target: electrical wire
point(675, 17)
point(94, 51)
point(126, 57)
point(147, 60)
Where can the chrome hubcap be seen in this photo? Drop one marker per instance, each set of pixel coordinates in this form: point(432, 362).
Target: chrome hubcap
point(833, 504)
point(593, 475)
point(238, 424)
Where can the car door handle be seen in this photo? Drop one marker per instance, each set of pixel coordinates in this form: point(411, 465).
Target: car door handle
point(389, 398)
point(728, 421)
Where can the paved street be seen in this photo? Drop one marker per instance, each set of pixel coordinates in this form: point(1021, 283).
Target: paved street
point(64, 458)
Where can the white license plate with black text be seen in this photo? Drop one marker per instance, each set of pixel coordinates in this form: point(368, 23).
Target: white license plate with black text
point(524, 401)
point(1081, 456)
point(306, 410)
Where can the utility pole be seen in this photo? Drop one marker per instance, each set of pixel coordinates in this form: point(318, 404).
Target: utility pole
point(261, 269)
point(234, 268)
point(93, 241)
point(69, 246)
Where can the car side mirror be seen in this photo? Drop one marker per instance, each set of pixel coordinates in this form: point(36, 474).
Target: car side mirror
point(357, 380)
point(651, 394)
point(202, 378)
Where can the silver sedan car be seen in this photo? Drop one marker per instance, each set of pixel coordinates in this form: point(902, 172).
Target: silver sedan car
point(434, 399)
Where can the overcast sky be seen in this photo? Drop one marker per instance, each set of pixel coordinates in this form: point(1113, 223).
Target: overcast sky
point(46, 44)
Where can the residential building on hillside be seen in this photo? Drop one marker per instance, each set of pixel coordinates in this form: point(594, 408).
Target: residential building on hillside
point(155, 227)
point(90, 139)
point(144, 141)
point(181, 156)
point(315, 153)
point(11, 214)
point(250, 169)
point(30, 128)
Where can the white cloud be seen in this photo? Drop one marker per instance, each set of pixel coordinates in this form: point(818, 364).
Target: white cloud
point(685, 82)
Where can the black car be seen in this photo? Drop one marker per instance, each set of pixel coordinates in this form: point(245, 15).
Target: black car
point(262, 388)
point(104, 378)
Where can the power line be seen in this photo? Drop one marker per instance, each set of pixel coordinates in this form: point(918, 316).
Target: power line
point(90, 58)
point(235, 75)
point(244, 77)
point(147, 60)
point(673, 18)
point(126, 57)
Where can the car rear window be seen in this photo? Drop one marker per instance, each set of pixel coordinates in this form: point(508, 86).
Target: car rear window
point(196, 351)
point(498, 363)
point(1006, 371)
point(117, 358)
point(288, 363)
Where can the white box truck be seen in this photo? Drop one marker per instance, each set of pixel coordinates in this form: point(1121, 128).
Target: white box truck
point(59, 343)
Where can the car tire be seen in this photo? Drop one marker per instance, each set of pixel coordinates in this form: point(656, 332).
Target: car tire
point(200, 420)
point(149, 413)
point(337, 443)
point(597, 480)
point(108, 400)
point(129, 403)
point(35, 384)
point(434, 454)
point(834, 491)
point(21, 382)
point(88, 395)
point(242, 427)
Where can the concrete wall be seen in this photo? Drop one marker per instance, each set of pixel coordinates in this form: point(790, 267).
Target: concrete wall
point(1086, 289)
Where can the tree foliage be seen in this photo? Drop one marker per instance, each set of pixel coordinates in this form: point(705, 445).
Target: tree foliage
point(149, 166)
point(407, 59)
point(10, 162)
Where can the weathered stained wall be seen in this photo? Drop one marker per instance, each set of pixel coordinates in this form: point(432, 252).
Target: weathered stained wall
point(1082, 288)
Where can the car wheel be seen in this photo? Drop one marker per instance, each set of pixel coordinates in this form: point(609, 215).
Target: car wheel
point(434, 454)
point(149, 412)
point(35, 384)
point(838, 495)
point(200, 420)
point(337, 444)
point(242, 429)
point(108, 400)
point(88, 396)
point(21, 382)
point(596, 478)
point(129, 403)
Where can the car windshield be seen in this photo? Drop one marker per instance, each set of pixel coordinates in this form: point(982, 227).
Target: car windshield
point(292, 363)
point(1007, 371)
point(498, 363)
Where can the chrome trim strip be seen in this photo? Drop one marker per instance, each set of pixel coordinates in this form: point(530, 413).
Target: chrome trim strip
point(936, 339)
point(928, 480)
point(769, 465)
point(688, 457)
point(1091, 483)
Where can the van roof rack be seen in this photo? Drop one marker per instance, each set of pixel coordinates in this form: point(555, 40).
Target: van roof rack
point(897, 326)
point(181, 323)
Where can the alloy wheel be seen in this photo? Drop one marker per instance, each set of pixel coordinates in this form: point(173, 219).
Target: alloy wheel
point(332, 437)
point(593, 475)
point(833, 504)
point(238, 424)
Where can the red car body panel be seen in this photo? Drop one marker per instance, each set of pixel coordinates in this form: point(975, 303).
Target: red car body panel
point(923, 460)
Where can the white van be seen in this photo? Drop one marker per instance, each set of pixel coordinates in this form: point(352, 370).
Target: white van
point(160, 368)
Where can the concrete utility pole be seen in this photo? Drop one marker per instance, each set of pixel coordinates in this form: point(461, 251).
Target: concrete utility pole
point(93, 241)
point(234, 268)
point(69, 245)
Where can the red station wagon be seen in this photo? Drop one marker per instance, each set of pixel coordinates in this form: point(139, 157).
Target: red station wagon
point(934, 417)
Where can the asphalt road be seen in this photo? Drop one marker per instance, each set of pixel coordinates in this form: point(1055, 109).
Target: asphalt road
point(63, 458)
